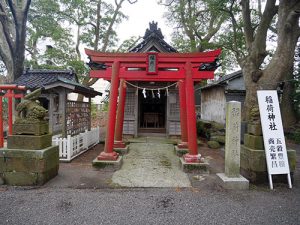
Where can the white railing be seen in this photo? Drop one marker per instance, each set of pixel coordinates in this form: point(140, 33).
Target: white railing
point(71, 147)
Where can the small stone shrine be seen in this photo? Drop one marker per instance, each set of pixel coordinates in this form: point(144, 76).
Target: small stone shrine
point(253, 158)
point(29, 158)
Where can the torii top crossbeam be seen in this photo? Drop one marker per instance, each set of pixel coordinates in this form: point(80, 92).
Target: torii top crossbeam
point(169, 66)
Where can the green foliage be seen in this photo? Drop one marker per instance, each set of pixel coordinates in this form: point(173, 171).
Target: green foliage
point(64, 26)
point(203, 129)
point(296, 136)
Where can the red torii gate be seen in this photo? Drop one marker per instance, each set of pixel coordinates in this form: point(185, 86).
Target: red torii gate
point(151, 66)
point(9, 88)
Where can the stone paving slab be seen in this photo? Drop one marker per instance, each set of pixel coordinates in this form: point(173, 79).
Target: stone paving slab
point(151, 165)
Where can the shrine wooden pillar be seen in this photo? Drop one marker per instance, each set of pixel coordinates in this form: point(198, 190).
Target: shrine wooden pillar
point(192, 156)
point(10, 110)
point(183, 119)
point(119, 143)
point(1, 123)
point(109, 153)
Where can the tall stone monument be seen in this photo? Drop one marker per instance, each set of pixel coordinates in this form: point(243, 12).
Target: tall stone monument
point(232, 179)
point(29, 158)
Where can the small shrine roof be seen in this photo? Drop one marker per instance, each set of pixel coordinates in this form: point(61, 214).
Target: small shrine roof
point(47, 79)
point(153, 40)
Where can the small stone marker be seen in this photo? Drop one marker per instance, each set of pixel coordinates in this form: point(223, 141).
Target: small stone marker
point(232, 178)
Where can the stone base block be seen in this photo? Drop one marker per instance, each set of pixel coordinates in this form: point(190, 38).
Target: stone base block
point(28, 168)
point(29, 142)
point(33, 129)
point(122, 151)
point(254, 165)
point(108, 163)
point(253, 141)
point(180, 151)
point(234, 183)
point(201, 167)
point(254, 129)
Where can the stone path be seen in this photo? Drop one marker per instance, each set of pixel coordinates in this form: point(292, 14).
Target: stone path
point(151, 163)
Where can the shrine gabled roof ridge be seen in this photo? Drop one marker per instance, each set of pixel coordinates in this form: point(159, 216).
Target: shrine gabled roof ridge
point(92, 53)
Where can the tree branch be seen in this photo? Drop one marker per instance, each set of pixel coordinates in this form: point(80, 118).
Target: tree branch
point(248, 30)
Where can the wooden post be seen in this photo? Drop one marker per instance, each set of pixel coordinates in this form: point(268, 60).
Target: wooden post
point(192, 156)
point(90, 116)
point(118, 143)
point(10, 111)
point(1, 124)
point(183, 120)
point(109, 153)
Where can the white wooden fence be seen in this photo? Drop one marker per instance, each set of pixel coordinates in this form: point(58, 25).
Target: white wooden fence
point(71, 147)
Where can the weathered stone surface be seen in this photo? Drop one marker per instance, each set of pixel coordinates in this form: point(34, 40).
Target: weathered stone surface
point(34, 129)
point(27, 167)
point(202, 167)
point(233, 183)
point(122, 151)
point(31, 142)
point(219, 138)
point(107, 163)
point(253, 141)
point(213, 144)
point(180, 151)
point(233, 134)
point(254, 129)
point(254, 165)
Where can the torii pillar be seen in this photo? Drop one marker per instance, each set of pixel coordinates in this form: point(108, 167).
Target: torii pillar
point(109, 154)
point(183, 120)
point(192, 156)
point(119, 143)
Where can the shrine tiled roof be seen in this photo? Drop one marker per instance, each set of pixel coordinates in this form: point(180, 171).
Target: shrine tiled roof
point(39, 78)
point(224, 79)
point(33, 79)
point(153, 40)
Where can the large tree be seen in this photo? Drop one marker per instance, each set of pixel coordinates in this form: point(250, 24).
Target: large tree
point(280, 67)
point(13, 18)
point(248, 30)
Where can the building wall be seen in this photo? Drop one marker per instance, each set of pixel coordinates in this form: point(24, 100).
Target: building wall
point(213, 104)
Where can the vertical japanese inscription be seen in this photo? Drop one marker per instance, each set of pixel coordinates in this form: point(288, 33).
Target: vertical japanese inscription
point(274, 142)
point(232, 145)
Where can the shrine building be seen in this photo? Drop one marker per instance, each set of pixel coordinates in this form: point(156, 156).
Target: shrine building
point(152, 91)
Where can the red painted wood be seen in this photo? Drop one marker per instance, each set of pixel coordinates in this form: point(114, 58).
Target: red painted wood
point(183, 117)
point(12, 86)
point(1, 123)
point(191, 112)
point(10, 111)
point(161, 76)
point(109, 153)
point(121, 56)
point(118, 143)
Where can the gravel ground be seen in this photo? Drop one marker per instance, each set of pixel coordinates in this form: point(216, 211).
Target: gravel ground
point(149, 206)
point(83, 195)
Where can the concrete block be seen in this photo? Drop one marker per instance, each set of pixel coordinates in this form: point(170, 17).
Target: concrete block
point(189, 167)
point(254, 165)
point(30, 142)
point(122, 151)
point(180, 151)
point(108, 163)
point(254, 129)
point(233, 183)
point(253, 141)
point(27, 167)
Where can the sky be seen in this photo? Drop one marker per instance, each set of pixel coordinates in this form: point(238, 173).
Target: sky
point(140, 15)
